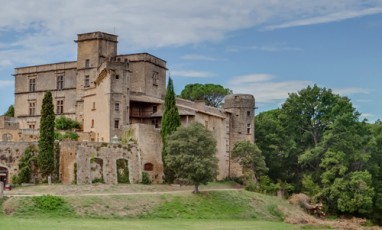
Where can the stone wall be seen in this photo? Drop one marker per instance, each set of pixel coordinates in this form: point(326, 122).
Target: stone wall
point(87, 153)
point(10, 154)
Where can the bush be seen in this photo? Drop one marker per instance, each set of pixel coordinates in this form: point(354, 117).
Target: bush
point(66, 136)
point(48, 204)
point(146, 178)
point(65, 123)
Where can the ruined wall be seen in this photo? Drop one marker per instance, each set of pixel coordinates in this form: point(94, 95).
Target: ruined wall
point(68, 158)
point(10, 154)
point(89, 153)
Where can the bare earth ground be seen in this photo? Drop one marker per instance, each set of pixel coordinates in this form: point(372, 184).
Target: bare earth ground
point(130, 200)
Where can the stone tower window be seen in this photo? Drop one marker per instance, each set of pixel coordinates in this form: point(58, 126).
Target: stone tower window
point(248, 128)
point(116, 107)
point(117, 76)
point(155, 109)
point(248, 113)
point(60, 107)
point(60, 82)
point(87, 63)
point(116, 123)
point(92, 126)
point(32, 108)
point(87, 81)
point(94, 108)
point(155, 78)
point(32, 84)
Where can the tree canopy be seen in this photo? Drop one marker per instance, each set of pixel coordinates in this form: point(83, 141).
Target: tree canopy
point(191, 154)
point(212, 94)
point(10, 112)
point(170, 122)
point(317, 143)
point(45, 158)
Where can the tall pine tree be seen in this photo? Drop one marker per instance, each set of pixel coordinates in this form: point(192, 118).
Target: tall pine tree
point(45, 157)
point(170, 122)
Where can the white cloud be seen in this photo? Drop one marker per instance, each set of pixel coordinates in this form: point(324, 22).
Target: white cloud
point(196, 57)
point(42, 31)
point(333, 17)
point(265, 88)
point(350, 91)
point(6, 83)
point(192, 74)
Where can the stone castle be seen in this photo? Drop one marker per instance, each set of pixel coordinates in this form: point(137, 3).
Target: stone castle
point(111, 94)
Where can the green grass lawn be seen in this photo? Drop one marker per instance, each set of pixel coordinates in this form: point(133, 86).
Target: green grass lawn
point(7, 222)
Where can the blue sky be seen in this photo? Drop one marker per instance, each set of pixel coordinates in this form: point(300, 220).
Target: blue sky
point(266, 48)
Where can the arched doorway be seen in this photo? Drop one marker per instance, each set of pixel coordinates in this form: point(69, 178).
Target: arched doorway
point(123, 171)
point(4, 175)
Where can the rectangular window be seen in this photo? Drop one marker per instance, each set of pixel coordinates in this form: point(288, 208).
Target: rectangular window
point(92, 126)
point(155, 109)
point(248, 128)
point(60, 82)
point(87, 81)
point(248, 113)
point(93, 106)
point(155, 78)
point(117, 76)
point(60, 107)
point(32, 126)
point(32, 108)
point(32, 84)
point(116, 124)
point(116, 107)
point(87, 63)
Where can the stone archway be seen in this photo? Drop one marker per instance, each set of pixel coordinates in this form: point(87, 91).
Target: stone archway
point(123, 171)
point(96, 170)
point(4, 175)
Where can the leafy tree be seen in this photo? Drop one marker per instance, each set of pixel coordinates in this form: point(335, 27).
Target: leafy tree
point(249, 157)
point(212, 94)
point(45, 158)
point(170, 122)
point(191, 154)
point(277, 146)
point(10, 112)
point(65, 123)
point(25, 166)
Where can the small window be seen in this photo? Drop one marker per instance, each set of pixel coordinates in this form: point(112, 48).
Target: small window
point(60, 107)
point(116, 124)
point(155, 122)
point(117, 76)
point(32, 126)
point(32, 108)
point(87, 81)
point(155, 109)
point(60, 82)
point(116, 107)
point(248, 113)
point(148, 167)
point(93, 106)
point(87, 63)
point(32, 84)
point(155, 78)
point(92, 126)
point(248, 128)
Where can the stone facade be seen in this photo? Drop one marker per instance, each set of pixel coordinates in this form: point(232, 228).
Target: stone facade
point(111, 94)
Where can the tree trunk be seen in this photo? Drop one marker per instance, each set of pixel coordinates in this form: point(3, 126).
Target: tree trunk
point(196, 188)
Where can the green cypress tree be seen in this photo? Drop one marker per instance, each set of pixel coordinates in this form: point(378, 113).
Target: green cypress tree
point(170, 122)
point(45, 157)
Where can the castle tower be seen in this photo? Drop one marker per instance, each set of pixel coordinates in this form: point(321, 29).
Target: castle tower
point(92, 50)
point(240, 126)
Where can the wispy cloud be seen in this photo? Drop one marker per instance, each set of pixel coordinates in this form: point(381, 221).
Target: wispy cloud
point(196, 57)
point(269, 89)
point(333, 17)
point(192, 74)
point(277, 47)
point(265, 87)
point(6, 83)
point(350, 91)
